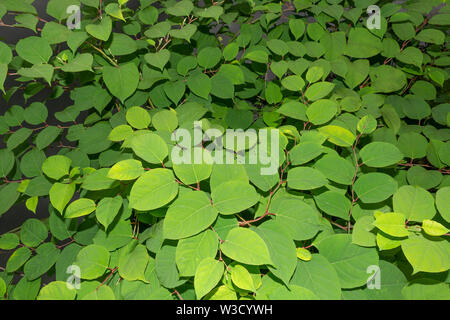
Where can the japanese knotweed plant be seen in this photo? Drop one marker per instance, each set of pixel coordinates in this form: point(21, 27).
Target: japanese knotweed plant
point(359, 207)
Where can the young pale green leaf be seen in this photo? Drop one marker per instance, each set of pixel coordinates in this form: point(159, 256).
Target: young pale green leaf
point(392, 223)
point(79, 208)
point(126, 170)
point(138, 117)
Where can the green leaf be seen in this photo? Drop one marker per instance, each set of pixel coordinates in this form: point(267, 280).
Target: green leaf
point(46, 256)
point(165, 120)
point(92, 261)
point(208, 57)
point(56, 167)
point(349, 260)
point(305, 178)
point(38, 71)
point(33, 232)
point(107, 210)
point(334, 203)
point(122, 81)
point(185, 32)
point(200, 84)
point(298, 218)
point(190, 213)
point(433, 228)
point(319, 276)
point(57, 290)
point(150, 147)
point(387, 79)
point(181, 8)
point(9, 241)
point(242, 278)
point(362, 235)
point(133, 262)
point(191, 251)
point(321, 111)
point(160, 183)
point(129, 169)
point(34, 50)
point(158, 59)
point(82, 62)
point(293, 83)
point(281, 249)
point(427, 255)
point(392, 223)
point(60, 195)
point(338, 135)
point(431, 36)
point(319, 90)
point(244, 245)
point(7, 161)
point(17, 259)
point(442, 195)
point(297, 27)
point(79, 208)
point(102, 30)
point(233, 197)
point(362, 44)
point(207, 275)
point(380, 154)
point(414, 202)
point(375, 187)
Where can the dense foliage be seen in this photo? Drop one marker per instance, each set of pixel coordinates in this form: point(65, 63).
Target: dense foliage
point(361, 195)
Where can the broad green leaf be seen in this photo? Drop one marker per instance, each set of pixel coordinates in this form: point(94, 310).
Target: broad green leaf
point(57, 290)
point(281, 249)
point(102, 30)
point(33, 232)
point(35, 50)
point(150, 147)
point(132, 263)
point(349, 260)
point(338, 135)
point(392, 223)
point(298, 218)
point(122, 81)
point(126, 170)
point(56, 167)
point(427, 255)
point(433, 228)
point(305, 178)
point(319, 276)
point(107, 209)
point(207, 275)
point(375, 187)
point(158, 59)
point(244, 245)
point(138, 117)
point(60, 195)
point(191, 251)
point(321, 111)
point(92, 261)
point(414, 202)
point(233, 197)
point(189, 214)
point(79, 208)
point(160, 183)
point(380, 154)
